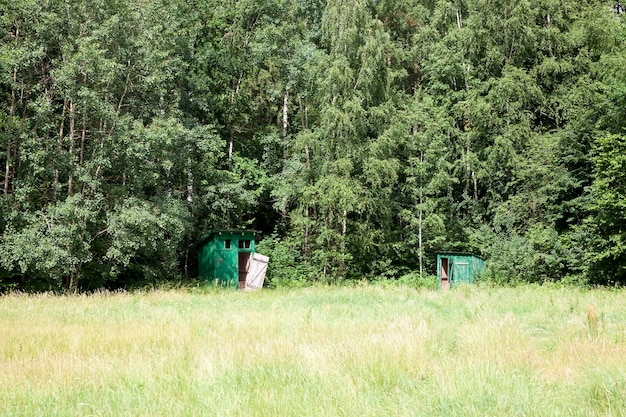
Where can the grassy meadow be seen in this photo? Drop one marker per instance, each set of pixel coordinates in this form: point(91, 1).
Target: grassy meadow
point(321, 351)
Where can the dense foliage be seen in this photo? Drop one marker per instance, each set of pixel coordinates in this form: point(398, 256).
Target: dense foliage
point(359, 136)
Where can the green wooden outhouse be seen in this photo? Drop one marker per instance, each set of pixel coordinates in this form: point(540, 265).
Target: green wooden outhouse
point(454, 268)
point(228, 258)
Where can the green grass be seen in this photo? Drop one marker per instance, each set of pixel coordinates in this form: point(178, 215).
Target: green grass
point(322, 351)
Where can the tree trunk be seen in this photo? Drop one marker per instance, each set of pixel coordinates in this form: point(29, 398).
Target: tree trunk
point(307, 153)
point(83, 137)
point(9, 148)
point(301, 112)
point(189, 177)
point(306, 233)
point(59, 148)
point(231, 139)
point(7, 167)
point(306, 113)
point(231, 126)
point(420, 214)
point(72, 283)
point(468, 167)
point(285, 123)
point(344, 229)
point(71, 151)
point(475, 185)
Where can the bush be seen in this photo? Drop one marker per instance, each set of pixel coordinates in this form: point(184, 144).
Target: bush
point(286, 267)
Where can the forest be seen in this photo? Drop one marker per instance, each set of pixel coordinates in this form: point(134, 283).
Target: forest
point(359, 137)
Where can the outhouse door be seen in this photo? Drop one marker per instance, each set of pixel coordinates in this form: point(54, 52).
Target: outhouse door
point(244, 268)
point(225, 265)
point(445, 283)
point(256, 273)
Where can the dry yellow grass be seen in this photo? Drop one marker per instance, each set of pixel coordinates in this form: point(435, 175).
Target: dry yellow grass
point(324, 351)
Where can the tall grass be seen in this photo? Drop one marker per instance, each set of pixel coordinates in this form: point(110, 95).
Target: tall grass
point(325, 351)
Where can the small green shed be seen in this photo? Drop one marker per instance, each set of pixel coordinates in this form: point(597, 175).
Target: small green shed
point(228, 258)
point(454, 268)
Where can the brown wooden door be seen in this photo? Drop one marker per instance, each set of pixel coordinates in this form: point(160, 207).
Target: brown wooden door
point(445, 282)
point(244, 268)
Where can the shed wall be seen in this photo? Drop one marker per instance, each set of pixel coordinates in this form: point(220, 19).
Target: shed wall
point(218, 256)
point(454, 269)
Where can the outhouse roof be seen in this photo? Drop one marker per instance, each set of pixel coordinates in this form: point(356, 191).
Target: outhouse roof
point(460, 254)
point(213, 233)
